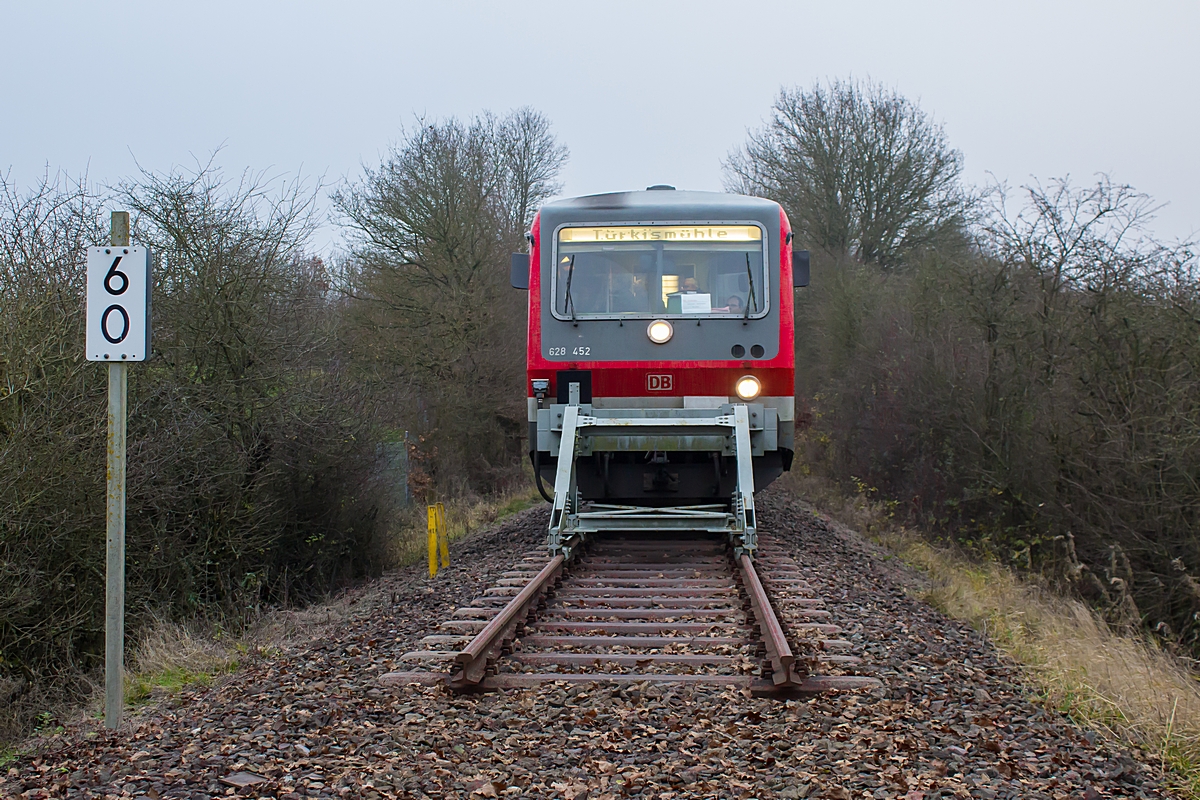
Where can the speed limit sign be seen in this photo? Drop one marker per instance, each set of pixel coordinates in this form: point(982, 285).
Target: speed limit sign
point(118, 304)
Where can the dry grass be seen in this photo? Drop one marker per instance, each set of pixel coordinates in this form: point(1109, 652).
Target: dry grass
point(1119, 683)
point(169, 656)
point(463, 515)
point(166, 657)
point(49, 705)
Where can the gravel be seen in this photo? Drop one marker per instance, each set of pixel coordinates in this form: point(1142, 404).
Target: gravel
point(309, 719)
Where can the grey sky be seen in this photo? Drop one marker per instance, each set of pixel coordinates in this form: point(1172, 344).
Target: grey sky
point(641, 92)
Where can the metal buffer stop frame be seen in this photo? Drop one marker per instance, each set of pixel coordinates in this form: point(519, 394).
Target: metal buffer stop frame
point(577, 429)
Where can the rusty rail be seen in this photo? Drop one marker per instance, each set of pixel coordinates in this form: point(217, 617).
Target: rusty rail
point(778, 650)
point(472, 661)
point(632, 609)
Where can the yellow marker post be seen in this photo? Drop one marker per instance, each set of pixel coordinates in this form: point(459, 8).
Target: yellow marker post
point(443, 535)
point(433, 540)
point(438, 538)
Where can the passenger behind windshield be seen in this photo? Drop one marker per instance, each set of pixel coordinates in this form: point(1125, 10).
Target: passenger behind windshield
point(630, 294)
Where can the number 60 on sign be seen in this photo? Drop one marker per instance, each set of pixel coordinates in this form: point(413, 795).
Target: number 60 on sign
point(118, 304)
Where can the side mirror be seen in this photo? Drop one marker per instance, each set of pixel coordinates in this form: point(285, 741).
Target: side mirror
point(518, 274)
point(800, 268)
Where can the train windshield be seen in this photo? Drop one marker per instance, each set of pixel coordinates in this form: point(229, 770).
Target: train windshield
point(660, 270)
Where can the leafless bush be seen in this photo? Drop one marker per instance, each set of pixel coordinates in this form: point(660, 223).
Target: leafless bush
point(1037, 397)
point(51, 454)
point(251, 445)
point(261, 452)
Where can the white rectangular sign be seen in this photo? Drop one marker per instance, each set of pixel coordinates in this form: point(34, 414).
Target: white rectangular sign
point(118, 304)
point(695, 303)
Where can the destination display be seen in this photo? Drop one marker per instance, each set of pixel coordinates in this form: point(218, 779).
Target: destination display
point(662, 233)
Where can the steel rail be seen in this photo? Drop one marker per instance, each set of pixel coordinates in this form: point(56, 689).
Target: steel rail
point(778, 650)
point(472, 660)
point(633, 598)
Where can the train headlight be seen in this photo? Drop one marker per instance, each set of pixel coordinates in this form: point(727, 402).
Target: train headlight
point(748, 387)
point(660, 331)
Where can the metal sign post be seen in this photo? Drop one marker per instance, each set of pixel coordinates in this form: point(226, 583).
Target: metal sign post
point(118, 331)
point(114, 595)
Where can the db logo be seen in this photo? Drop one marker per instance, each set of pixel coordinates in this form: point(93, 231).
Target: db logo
point(660, 383)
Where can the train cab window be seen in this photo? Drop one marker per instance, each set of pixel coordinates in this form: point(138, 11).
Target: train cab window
point(659, 270)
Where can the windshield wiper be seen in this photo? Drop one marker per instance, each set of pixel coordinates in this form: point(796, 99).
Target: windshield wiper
point(753, 297)
point(567, 300)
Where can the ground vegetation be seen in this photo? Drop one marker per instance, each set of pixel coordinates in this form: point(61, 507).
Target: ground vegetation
point(264, 429)
point(311, 716)
point(251, 475)
point(1017, 370)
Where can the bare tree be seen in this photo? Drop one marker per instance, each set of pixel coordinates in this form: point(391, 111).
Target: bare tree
point(431, 230)
point(860, 169)
point(424, 230)
point(530, 159)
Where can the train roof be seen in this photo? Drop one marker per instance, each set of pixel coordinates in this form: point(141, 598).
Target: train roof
point(662, 204)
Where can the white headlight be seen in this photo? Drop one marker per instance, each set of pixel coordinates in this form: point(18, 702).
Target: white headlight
point(660, 331)
point(748, 387)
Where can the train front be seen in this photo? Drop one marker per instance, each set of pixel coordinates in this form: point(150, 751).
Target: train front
point(660, 361)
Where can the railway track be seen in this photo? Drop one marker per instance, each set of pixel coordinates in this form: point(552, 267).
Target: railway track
point(628, 609)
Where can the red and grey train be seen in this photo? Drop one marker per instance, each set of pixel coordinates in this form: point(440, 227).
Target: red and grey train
point(660, 305)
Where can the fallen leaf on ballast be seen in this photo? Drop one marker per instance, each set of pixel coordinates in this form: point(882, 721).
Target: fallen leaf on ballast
point(489, 789)
point(574, 791)
point(240, 779)
point(669, 741)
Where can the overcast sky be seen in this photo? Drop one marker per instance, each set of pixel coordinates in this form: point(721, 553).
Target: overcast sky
point(641, 92)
